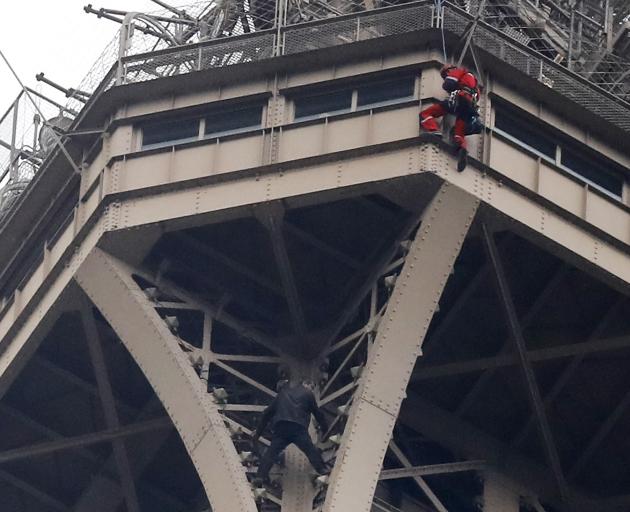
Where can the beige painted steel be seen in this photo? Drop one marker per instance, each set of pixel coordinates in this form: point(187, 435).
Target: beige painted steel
point(398, 343)
point(109, 284)
point(497, 495)
point(355, 169)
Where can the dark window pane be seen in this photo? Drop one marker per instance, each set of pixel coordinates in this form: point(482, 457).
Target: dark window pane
point(326, 103)
point(177, 130)
point(528, 133)
point(389, 90)
point(606, 176)
point(233, 120)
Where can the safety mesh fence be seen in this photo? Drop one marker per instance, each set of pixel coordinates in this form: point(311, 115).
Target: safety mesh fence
point(552, 75)
point(221, 53)
point(23, 144)
point(298, 38)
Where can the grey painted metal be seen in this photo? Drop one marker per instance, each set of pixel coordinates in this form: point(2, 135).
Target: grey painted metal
point(497, 495)
point(516, 335)
point(110, 285)
point(538, 355)
point(272, 217)
point(397, 345)
point(599, 436)
point(572, 367)
point(432, 469)
point(44, 498)
point(67, 443)
point(109, 407)
point(420, 482)
point(529, 316)
point(462, 437)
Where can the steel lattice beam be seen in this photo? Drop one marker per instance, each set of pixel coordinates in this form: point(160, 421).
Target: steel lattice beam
point(106, 395)
point(516, 335)
point(108, 282)
point(398, 343)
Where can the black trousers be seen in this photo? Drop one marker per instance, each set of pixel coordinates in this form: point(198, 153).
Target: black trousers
point(284, 434)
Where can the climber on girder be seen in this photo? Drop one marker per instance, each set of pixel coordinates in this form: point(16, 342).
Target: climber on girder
point(463, 89)
point(290, 416)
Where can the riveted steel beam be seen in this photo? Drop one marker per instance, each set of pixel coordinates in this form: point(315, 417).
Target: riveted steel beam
point(420, 482)
point(398, 343)
point(432, 469)
point(109, 283)
point(106, 395)
point(516, 334)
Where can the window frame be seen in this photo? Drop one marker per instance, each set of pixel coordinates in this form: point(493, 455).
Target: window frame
point(561, 142)
point(200, 117)
point(354, 87)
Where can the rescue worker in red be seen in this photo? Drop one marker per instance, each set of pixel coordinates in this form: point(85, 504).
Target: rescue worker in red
point(463, 90)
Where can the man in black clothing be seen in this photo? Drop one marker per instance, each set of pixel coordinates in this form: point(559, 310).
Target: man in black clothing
point(290, 415)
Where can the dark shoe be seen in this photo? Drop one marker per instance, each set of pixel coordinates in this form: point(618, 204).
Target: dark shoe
point(462, 159)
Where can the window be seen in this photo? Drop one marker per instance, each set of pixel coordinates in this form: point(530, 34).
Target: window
point(174, 131)
point(218, 123)
point(372, 93)
point(386, 92)
point(233, 121)
point(317, 105)
point(593, 170)
point(527, 133)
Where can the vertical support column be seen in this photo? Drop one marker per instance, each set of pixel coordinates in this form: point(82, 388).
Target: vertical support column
point(397, 345)
point(497, 496)
point(297, 488)
point(109, 284)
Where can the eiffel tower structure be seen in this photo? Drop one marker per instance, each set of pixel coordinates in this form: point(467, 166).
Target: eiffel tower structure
point(237, 196)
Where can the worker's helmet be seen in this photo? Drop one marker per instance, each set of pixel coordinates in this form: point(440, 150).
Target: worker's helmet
point(445, 69)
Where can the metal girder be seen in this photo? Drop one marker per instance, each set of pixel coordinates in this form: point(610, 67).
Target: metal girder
point(42, 497)
point(533, 310)
point(420, 482)
point(561, 232)
point(432, 469)
point(231, 263)
point(105, 492)
point(462, 437)
point(322, 246)
point(572, 367)
point(109, 284)
point(77, 381)
point(498, 496)
point(603, 431)
point(106, 395)
point(107, 476)
point(67, 443)
point(397, 345)
point(541, 354)
point(516, 335)
point(272, 218)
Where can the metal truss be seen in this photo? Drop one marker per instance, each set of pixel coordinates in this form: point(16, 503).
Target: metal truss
point(110, 285)
point(398, 342)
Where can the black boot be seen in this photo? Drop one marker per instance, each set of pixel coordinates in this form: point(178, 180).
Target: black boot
point(462, 159)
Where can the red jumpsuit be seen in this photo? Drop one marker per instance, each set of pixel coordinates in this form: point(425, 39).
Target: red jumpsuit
point(464, 90)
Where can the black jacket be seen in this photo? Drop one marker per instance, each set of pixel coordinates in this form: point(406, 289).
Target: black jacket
point(295, 405)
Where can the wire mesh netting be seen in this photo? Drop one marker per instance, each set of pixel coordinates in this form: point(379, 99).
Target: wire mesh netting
point(359, 28)
point(25, 144)
point(544, 70)
point(199, 57)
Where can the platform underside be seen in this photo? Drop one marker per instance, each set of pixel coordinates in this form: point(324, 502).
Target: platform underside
point(467, 397)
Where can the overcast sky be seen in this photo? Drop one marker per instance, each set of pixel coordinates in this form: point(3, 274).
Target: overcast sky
point(57, 38)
